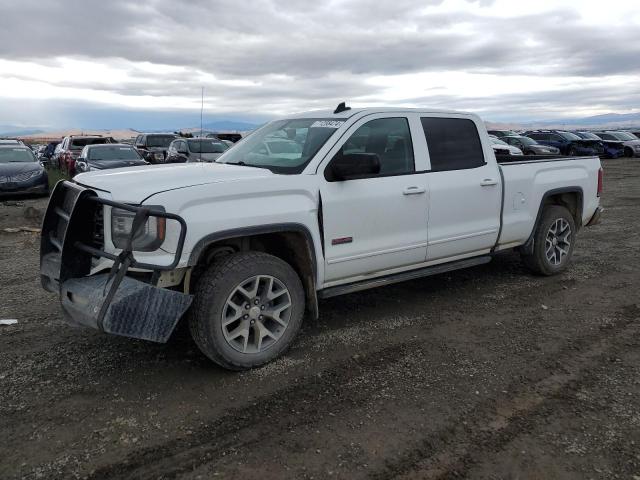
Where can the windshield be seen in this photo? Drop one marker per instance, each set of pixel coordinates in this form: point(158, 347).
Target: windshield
point(159, 140)
point(525, 140)
point(588, 136)
point(80, 143)
point(625, 136)
point(206, 146)
point(16, 155)
point(569, 136)
point(283, 146)
point(497, 141)
point(113, 153)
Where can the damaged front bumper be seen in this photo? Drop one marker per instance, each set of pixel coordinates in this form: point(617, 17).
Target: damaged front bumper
point(110, 302)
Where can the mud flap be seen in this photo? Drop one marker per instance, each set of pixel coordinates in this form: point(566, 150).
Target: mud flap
point(137, 309)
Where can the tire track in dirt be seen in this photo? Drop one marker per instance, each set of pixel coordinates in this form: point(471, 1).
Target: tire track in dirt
point(442, 453)
point(204, 444)
point(449, 454)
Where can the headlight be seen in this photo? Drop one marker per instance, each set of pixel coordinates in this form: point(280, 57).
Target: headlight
point(149, 237)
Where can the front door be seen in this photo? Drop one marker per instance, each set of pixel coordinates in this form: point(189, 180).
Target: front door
point(379, 222)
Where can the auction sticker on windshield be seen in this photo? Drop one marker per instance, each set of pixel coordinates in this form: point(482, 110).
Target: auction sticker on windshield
point(327, 124)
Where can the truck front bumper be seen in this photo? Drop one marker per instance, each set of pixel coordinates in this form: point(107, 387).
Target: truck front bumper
point(110, 302)
point(137, 309)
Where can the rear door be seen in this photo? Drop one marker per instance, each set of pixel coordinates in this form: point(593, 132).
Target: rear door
point(377, 223)
point(464, 189)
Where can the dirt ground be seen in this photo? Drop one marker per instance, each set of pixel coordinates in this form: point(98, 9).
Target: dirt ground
point(488, 373)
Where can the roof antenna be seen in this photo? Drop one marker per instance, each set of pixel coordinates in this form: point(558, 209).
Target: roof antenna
point(201, 110)
point(342, 107)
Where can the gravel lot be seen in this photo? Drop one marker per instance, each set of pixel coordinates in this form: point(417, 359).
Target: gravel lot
point(484, 373)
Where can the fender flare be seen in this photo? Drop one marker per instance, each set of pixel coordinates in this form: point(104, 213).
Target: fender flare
point(202, 244)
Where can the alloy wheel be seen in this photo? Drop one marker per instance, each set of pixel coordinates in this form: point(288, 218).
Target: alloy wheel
point(256, 314)
point(558, 241)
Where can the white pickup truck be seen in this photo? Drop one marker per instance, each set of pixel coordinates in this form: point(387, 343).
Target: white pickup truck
point(311, 206)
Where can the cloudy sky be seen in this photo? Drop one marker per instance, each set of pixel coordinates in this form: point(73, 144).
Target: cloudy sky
point(142, 63)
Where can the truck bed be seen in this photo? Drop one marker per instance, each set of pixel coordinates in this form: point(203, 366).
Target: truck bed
point(504, 159)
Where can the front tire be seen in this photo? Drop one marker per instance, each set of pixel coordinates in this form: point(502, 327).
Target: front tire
point(553, 241)
point(247, 310)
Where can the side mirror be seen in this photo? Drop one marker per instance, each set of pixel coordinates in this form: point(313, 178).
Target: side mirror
point(352, 165)
point(81, 165)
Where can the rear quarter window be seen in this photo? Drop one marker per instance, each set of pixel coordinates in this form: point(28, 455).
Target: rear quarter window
point(453, 143)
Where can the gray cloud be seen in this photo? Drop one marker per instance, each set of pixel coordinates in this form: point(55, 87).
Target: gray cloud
point(311, 54)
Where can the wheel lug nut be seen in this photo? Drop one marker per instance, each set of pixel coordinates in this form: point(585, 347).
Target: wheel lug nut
point(256, 302)
point(253, 322)
point(260, 317)
point(247, 306)
point(246, 316)
point(261, 307)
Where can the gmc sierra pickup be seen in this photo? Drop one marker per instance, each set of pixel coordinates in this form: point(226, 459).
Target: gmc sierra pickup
point(311, 206)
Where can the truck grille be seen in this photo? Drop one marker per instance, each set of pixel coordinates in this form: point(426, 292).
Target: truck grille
point(98, 228)
point(71, 217)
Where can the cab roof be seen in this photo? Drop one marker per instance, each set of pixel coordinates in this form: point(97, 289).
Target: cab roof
point(354, 111)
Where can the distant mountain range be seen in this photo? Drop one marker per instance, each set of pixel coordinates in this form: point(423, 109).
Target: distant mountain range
point(604, 121)
point(17, 131)
point(121, 133)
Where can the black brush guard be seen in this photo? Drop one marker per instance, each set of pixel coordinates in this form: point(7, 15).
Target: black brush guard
point(110, 302)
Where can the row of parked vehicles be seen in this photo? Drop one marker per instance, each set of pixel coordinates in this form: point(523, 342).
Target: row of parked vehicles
point(83, 153)
point(606, 144)
point(21, 171)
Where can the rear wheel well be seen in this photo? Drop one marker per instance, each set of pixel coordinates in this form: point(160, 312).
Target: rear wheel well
point(291, 246)
point(572, 201)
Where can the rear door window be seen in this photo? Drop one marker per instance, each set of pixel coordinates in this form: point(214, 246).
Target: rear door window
point(453, 143)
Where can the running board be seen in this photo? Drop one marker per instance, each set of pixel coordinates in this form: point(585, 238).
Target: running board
point(401, 277)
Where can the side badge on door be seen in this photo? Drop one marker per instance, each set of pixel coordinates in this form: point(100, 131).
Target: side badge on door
point(340, 241)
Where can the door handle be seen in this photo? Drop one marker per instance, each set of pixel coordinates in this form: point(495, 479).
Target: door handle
point(413, 191)
point(488, 182)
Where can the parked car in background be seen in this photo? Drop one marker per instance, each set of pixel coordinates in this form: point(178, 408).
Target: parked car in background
point(108, 156)
point(501, 133)
point(529, 146)
point(47, 154)
point(232, 137)
point(629, 140)
point(567, 142)
point(153, 146)
point(499, 147)
point(70, 149)
point(203, 149)
point(280, 147)
point(612, 148)
point(21, 172)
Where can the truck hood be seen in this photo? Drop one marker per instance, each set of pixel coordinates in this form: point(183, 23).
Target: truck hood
point(135, 184)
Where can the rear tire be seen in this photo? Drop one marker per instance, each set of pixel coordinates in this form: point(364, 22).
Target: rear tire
point(628, 152)
point(553, 241)
point(247, 310)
